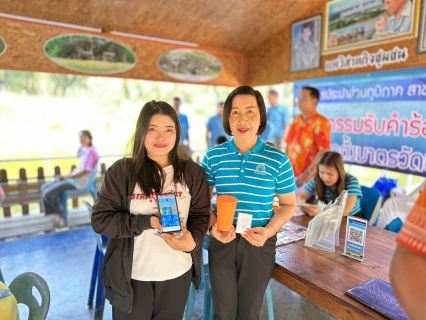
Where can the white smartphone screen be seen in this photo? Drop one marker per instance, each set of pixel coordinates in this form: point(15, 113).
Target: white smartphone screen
point(169, 213)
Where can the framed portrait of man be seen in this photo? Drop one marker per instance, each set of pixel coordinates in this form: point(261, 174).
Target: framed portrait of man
point(306, 44)
point(421, 46)
point(352, 24)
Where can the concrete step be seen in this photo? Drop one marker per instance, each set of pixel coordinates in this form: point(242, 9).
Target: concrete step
point(35, 223)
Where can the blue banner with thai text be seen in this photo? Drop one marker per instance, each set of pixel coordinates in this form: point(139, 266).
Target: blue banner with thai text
point(378, 119)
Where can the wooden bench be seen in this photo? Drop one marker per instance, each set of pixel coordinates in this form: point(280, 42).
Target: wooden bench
point(25, 191)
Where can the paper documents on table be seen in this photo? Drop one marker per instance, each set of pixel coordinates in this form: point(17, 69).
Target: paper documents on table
point(290, 232)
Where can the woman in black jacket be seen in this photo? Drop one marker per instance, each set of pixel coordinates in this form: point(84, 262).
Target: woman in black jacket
point(147, 272)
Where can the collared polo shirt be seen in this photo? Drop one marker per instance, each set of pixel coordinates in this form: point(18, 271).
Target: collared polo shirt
point(269, 133)
point(352, 186)
point(184, 125)
point(215, 126)
point(278, 116)
point(306, 138)
point(403, 24)
point(253, 178)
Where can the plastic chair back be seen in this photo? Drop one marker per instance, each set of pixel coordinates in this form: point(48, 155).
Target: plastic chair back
point(370, 203)
point(22, 287)
point(395, 207)
point(90, 187)
point(91, 184)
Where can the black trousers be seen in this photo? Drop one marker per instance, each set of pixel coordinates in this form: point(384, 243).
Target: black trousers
point(239, 275)
point(158, 300)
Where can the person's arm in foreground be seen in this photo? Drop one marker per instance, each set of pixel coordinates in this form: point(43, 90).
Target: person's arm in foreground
point(407, 270)
point(258, 236)
point(407, 276)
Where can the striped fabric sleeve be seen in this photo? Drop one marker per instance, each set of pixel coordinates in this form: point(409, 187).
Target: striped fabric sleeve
point(285, 179)
point(287, 116)
point(413, 232)
point(207, 168)
point(353, 187)
point(310, 187)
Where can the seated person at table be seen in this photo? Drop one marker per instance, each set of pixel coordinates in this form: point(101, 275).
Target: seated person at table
point(409, 262)
point(329, 182)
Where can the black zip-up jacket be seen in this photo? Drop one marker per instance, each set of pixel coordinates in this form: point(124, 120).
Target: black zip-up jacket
point(111, 216)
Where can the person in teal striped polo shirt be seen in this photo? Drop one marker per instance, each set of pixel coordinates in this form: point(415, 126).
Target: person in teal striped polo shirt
point(245, 167)
point(329, 182)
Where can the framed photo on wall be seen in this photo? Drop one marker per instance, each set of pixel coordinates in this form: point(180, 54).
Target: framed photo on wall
point(353, 24)
point(421, 46)
point(306, 44)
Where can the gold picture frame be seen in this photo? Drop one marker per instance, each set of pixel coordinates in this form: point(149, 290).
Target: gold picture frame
point(354, 24)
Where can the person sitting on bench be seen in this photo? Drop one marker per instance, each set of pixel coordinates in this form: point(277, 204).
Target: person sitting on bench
point(77, 179)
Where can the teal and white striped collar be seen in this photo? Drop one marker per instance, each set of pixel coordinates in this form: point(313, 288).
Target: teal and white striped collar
point(259, 147)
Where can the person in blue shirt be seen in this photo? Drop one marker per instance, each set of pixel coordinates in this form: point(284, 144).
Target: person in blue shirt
point(279, 116)
point(214, 127)
point(269, 133)
point(247, 168)
point(184, 124)
point(329, 182)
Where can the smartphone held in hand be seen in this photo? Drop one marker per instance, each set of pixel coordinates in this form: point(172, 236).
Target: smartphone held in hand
point(169, 213)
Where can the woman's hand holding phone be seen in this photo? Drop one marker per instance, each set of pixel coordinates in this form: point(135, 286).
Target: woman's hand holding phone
point(223, 236)
point(155, 223)
point(185, 243)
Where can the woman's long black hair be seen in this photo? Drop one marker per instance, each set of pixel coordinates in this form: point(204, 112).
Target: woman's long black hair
point(333, 160)
point(149, 175)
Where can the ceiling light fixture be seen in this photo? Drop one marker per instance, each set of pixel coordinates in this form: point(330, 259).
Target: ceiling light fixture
point(97, 30)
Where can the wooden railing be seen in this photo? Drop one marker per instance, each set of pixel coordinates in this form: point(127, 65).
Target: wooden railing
point(24, 191)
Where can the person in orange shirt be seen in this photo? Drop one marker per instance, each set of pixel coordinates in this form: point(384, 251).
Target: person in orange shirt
point(407, 270)
point(308, 137)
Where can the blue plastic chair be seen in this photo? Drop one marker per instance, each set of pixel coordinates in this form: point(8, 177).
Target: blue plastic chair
point(208, 311)
point(96, 282)
point(90, 188)
point(371, 202)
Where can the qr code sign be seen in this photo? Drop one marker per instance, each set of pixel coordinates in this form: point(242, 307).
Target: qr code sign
point(356, 235)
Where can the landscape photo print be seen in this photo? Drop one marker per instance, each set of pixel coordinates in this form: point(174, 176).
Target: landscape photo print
point(351, 24)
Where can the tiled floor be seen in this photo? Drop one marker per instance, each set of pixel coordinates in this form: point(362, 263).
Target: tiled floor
point(65, 260)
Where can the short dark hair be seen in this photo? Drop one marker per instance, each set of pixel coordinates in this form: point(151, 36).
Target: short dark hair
point(176, 98)
point(273, 91)
point(308, 25)
point(244, 90)
point(220, 103)
point(314, 93)
point(149, 175)
point(220, 140)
